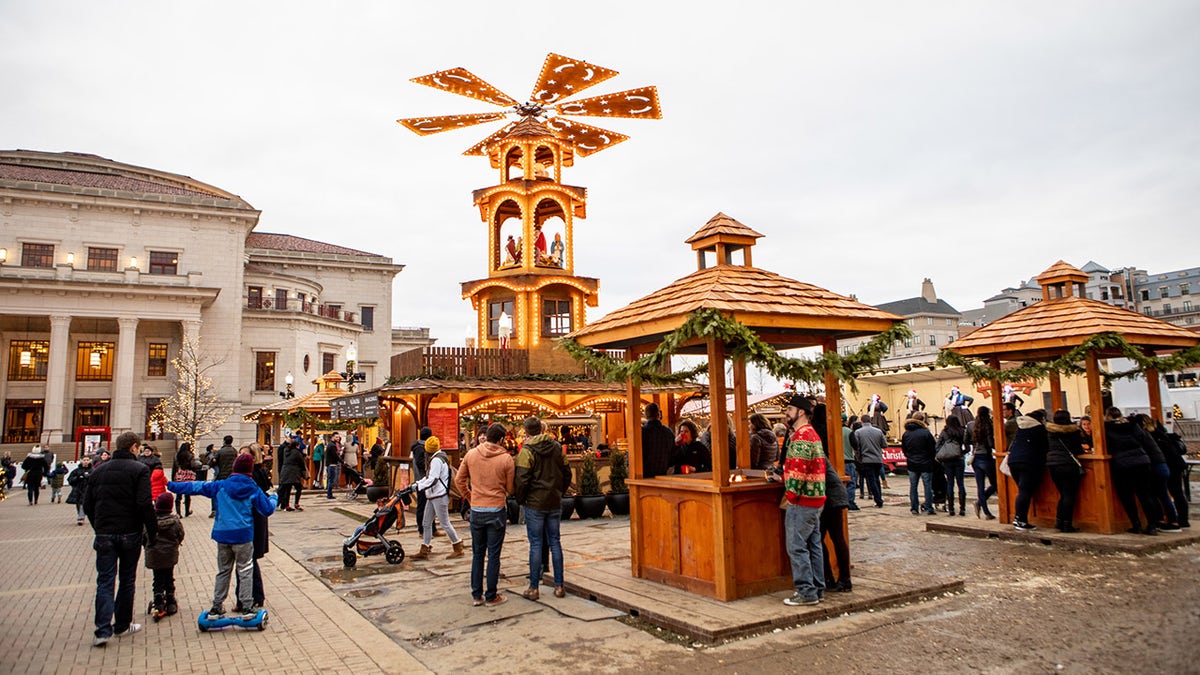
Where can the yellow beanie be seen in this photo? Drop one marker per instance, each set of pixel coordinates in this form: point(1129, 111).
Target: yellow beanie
point(432, 444)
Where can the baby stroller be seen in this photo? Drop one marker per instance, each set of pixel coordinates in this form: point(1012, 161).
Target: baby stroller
point(385, 516)
point(356, 483)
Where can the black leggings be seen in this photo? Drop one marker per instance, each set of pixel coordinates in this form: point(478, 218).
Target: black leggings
point(1175, 487)
point(1137, 481)
point(164, 581)
point(1028, 479)
point(833, 524)
point(32, 490)
point(1066, 479)
point(180, 508)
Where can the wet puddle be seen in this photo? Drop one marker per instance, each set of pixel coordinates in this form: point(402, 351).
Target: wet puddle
point(342, 575)
point(326, 559)
point(363, 592)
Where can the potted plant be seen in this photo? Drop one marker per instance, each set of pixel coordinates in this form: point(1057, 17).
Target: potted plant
point(590, 502)
point(618, 494)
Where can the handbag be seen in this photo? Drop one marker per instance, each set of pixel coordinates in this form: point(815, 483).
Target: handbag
point(185, 475)
point(1082, 471)
point(949, 451)
point(1004, 467)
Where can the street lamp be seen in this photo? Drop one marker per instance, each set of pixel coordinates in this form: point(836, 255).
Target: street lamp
point(289, 392)
point(350, 376)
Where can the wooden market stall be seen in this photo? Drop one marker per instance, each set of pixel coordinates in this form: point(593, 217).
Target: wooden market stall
point(1063, 322)
point(718, 534)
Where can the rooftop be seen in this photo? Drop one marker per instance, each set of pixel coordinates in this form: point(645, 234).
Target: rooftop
point(287, 242)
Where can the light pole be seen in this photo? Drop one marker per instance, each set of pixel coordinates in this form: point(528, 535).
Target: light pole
point(350, 375)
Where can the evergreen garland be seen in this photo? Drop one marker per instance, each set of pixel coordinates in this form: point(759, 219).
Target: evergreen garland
point(300, 418)
point(1069, 363)
point(740, 342)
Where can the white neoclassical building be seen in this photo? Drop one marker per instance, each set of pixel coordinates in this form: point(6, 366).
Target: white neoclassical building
point(105, 267)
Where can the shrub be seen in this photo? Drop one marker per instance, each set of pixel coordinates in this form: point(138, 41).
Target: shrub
point(619, 471)
point(589, 480)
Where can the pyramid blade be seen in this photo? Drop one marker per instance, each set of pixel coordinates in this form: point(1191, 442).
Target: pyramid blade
point(640, 103)
point(563, 76)
point(465, 83)
point(436, 125)
point(480, 148)
point(584, 138)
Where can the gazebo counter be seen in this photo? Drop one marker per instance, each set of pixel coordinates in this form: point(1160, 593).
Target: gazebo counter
point(1095, 507)
point(685, 527)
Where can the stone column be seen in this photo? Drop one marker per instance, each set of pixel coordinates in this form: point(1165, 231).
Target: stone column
point(191, 331)
point(122, 391)
point(57, 372)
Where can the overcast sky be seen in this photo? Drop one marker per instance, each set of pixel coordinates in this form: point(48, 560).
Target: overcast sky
point(874, 144)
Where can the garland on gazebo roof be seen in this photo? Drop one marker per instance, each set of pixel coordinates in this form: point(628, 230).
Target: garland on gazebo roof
point(1069, 363)
point(740, 342)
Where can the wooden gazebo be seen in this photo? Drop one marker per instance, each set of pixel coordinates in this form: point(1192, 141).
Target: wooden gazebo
point(1045, 331)
point(317, 404)
point(714, 533)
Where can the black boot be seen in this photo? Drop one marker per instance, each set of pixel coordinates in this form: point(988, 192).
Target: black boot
point(172, 605)
point(158, 608)
point(962, 505)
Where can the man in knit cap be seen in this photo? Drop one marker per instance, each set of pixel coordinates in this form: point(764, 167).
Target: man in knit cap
point(235, 499)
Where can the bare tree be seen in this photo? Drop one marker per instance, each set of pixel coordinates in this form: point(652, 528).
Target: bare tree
point(193, 410)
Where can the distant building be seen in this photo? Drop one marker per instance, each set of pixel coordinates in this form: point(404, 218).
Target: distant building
point(934, 324)
point(1167, 295)
point(106, 267)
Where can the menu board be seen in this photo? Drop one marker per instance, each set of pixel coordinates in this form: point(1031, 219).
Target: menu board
point(443, 420)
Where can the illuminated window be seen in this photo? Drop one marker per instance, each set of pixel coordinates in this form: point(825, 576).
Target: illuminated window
point(94, 361)
point(495, 309)
point(37, 255)
point(156, 361)
point(556, 317)
point(102, 259)
point(27, 360)
point(264, 371)
point(164, 262)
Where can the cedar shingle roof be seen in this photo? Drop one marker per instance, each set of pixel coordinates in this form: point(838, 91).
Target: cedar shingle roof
point(287, 242)
point(1060, 324)
point(748, 294)
point(1062, 271)
point(723, 224)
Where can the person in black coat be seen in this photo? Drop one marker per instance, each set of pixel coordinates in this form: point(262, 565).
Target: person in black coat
point(689, 451)
point(1160, 471)
point(1063, 449)
point(34, 465)
point(1027, 462)
point(261, 541)
point(833, 523)
point(1131, 471)
point(657, 443)
point(919, 449)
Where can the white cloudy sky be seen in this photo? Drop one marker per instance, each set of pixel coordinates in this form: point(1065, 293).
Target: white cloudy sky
point(874, 143)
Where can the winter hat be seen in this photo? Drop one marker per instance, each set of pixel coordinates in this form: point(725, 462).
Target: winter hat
point(432, 444)
point(164, 503)
point(244, 464)
point(1062, 417)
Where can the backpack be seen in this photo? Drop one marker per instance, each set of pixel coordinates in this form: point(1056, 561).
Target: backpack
point(451, 488)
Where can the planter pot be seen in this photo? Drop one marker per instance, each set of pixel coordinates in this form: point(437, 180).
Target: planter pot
point(590, 506)
point(514, 511)
point(618, 503)
point(568, 507)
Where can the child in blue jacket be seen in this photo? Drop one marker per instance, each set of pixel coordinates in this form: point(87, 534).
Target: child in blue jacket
point(235, 499)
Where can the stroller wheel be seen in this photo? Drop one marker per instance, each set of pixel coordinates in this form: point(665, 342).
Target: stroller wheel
point(395, 553)
point(349, 557)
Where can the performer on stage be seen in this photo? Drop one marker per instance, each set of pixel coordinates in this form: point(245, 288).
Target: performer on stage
point(1010, 396)
point(960, 405)
point(875, 413)
point(912, 404)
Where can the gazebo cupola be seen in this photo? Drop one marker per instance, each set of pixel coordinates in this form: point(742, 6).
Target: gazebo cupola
point(720, 238)
point(1062, 280)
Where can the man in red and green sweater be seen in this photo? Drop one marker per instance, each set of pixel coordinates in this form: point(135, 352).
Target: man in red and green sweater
point(804, 480)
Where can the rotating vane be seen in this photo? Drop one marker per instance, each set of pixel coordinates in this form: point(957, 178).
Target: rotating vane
point(561, 78)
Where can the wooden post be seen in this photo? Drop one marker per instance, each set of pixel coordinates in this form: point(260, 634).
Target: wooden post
point(1156, 406)
point(1055, 394)
point(741, 413)
point(633, 435)
point(1101, 471)
point(837, 453)
point(1003, 483)
point(719, 433)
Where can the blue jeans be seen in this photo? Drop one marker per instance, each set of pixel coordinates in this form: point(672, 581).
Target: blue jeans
point(116, 555)
point(801, 526)
point(487, 538)
point(927, 478)
point(955, 472)
point(332, 472)
point(852, 488)
point(537, 525)
point(1161, 474)
point(870, 475)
